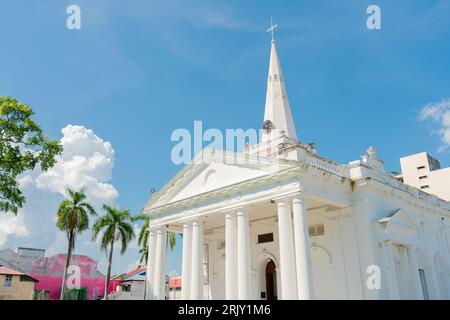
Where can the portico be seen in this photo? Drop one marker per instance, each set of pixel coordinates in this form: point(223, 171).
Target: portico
point(230, 231)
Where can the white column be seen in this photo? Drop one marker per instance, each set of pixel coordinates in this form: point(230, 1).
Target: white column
point(244, 256)
point(287, 256)
point(230, 257)
point(414, 273)
point(392, 281)
point(160, 257)
point(197, 261)
point(150, 271)
point(186, 262)
point(302, 250)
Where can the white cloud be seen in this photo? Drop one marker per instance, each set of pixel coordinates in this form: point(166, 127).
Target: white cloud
point(440, 114)
point(86, 162)
point(11, 225)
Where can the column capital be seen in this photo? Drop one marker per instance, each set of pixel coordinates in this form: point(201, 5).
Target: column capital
point(299, 195)
point(159, 228)
point(197, 220)
point(241, 211)
point(299, 200)
point(240, 208)
point(281, 200)
point(234, 209)
point(187, 224)
point(191, 220)
point(230, 214)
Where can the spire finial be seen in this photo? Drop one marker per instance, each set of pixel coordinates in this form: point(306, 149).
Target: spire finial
point(272, 28)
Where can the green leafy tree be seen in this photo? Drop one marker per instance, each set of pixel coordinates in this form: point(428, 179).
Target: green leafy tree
point(115, 225)
point(23, 146)
point(73, 218)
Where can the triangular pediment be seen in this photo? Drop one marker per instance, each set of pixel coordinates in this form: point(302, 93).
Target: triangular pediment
point(214, 171)
point(399, 218)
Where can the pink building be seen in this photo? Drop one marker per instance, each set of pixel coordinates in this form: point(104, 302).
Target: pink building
point(49, 271)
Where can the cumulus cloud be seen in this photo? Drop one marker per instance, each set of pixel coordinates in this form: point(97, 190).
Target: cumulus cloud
point(86, 162)
point(439, 113)
point(12, 225)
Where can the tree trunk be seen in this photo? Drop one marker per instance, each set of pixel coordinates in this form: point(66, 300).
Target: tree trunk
point(146, 276)
point(108, 274)
point(66, 266)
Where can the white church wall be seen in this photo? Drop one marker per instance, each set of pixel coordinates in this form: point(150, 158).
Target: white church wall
point(325, 273)
point(217, 265)
point(428, 239)
point(344, 253)
point(364, 213)
point(403, 274)
point(431, 248)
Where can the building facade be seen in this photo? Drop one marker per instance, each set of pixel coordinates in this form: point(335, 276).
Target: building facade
point(131, 286)
point(278, 221)
point(424, 172)
point(16, 285)
point(175, 288)
point(49, 271)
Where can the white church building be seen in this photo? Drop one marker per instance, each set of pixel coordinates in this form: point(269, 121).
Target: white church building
point(278, 221)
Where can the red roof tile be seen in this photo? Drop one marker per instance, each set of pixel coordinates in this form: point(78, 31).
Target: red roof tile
point(8, 271)
point(175, 282)
point(133, 272)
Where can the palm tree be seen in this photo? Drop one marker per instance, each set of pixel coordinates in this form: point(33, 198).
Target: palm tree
point(144, 255)
point(143, 236)
point(73, 218)
point(116, 225)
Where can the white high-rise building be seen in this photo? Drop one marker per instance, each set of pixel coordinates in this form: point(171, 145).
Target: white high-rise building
point(278, 221)
point(424, 172)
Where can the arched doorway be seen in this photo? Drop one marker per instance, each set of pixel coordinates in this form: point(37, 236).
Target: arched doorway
point(271, 281)
point(266, 262)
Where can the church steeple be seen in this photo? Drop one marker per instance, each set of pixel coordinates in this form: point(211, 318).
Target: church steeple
point(277, 111)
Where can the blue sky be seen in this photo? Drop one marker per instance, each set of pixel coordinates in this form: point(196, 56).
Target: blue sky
point(138, 70)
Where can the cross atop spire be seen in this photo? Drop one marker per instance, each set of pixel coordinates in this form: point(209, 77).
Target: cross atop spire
point(272, 29)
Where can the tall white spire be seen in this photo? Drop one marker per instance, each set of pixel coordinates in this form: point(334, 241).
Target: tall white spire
point(277, 110)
